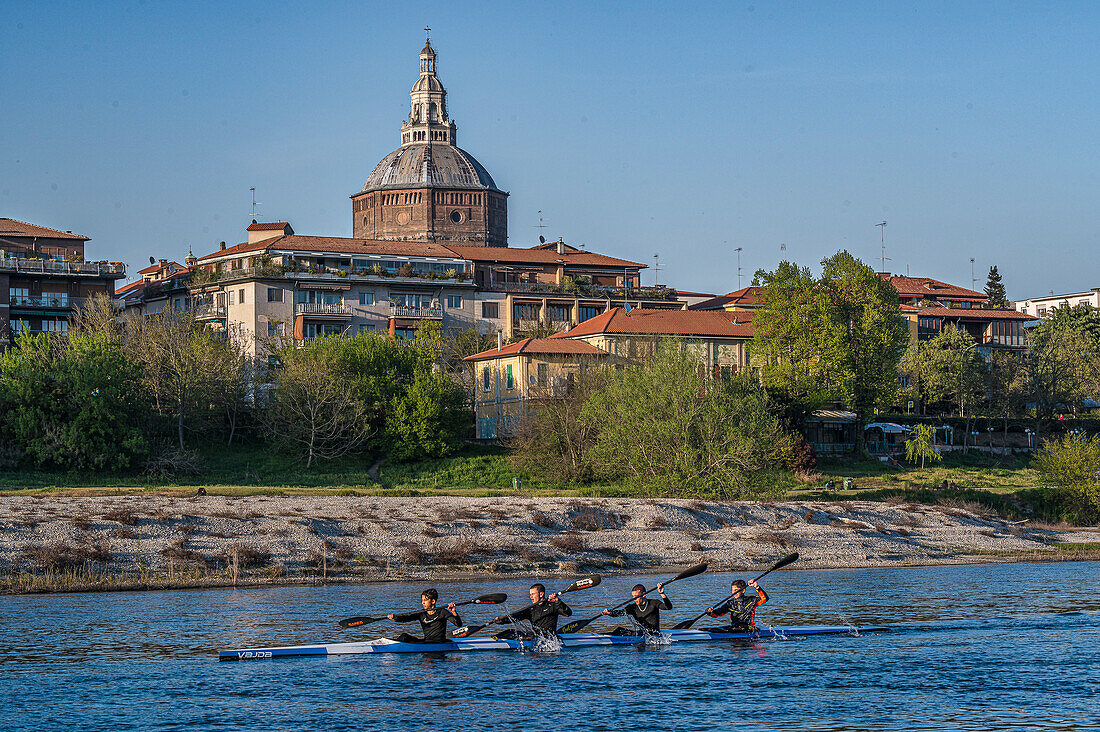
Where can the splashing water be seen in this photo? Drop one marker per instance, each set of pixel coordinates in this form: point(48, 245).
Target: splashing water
point(547, 643)
point(657, 639)
point(778, 633)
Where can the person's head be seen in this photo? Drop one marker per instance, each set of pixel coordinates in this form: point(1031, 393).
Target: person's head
point(637, 592)
point(538, 591)
point(737, 588)
point(428, 598)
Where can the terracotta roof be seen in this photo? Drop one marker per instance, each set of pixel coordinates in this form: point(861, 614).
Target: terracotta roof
point(973, 314)
point(130, 286)
point(173, 266)
point(337, 245)
point(269, 226)
point(928, 287)
point(540, 345)
point(746, 296)
point(508, 255)
point(716, 324)
point(11, 227)
point(689, 293)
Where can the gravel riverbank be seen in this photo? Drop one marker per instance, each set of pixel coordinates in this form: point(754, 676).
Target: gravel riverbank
point(58, 542)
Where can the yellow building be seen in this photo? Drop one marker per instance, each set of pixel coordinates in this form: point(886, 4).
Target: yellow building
point(507, 380)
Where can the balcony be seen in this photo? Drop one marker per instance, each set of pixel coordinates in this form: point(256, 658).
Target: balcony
point(46, 302)
point(586, 291)
point(321, 309)
point(114, 270)
point(208, 311)
point(405, 311)
point(329, 274)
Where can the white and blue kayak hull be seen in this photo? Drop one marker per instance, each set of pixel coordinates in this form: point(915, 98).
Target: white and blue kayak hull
point(568, 640)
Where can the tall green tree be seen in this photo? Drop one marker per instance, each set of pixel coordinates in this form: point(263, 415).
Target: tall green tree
point(667, 428)
point(75, 404)
point(995, 290)
point(1006, 387)
point(837, 338)
point(1058, 366)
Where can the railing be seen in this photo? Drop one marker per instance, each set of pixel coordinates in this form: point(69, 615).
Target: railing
point(404, 311)
point(103, 269)
point(325, 273)
point(322, 308)
point(206, 310)
point(60, 302)
point(600, 291)
point(832, 447)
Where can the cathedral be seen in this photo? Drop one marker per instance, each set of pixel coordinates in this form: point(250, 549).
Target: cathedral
point(429, 189)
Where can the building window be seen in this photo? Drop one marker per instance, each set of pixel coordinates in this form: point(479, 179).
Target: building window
point(511, 383)
point(454, 302)
point(405, 334)
point(20, 326)
point(55, 326)
point(274, 294)
point(276, 329)
point(19, 295)
point(525, 311)
point(544, 374)
point(230, 297)
point(240, 296)
point(486, 378)
point(588, 312)
point(366, 298)
point(366, 327)
point(558, 313)
point(490, 310)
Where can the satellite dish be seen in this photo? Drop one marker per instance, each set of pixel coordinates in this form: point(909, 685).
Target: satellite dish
point(542, 239)
point(152, 261)
point(627, 308)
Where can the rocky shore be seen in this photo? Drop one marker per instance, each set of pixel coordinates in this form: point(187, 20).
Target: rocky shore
point(73, 543)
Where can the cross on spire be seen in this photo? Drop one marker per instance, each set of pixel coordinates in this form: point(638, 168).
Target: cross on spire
point(428, 32)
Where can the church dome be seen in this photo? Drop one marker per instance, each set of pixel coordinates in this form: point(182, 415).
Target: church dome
point(429, 166)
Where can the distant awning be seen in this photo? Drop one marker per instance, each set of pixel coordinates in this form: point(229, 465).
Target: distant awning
point(323, 286)
point(833, 415)
point(889, 428)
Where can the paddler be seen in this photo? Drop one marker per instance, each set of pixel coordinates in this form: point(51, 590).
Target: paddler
point(433, 620)
point(646, 612)
point(741, 607)
point(542, 613)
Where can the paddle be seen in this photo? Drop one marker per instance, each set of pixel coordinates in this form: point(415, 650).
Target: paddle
point(778, 565)
point(578, 624)
point(358, 620)
point(582, 584)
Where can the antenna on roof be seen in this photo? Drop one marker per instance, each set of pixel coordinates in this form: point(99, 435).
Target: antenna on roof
point(882, 237)
point(542, 225)
point(738, 250)
point(656, 268)
point(973, 279)
point(254, 203)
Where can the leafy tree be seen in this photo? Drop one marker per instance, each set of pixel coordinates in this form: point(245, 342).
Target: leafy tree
point(837, 338)
point(1058, 365)
point(315, 410)
point(429, 418)
point(995, 290)
point(1007, 389)
point(666, 427)
point(75, 405)
point(921, 445)
point(950, 371)
point(1072, 465)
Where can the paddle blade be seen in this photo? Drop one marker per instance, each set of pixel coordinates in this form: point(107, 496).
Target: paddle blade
point(780, 564)
point(465, 630)
point(491, 599)
point(692, 571)
point(583, 584)
point(356, 621)
point(574, 626)
point(684, 625)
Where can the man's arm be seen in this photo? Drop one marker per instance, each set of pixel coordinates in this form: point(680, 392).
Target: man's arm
point(454, 617)
point(524, 614)
point(718, 612)
point(406, 617)
point(666, 603)
point(563, 609)
point(762, 596)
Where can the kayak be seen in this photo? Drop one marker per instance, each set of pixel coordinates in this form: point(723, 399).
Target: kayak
point(568, 640)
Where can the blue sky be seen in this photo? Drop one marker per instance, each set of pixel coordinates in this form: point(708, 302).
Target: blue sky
point(680, 129)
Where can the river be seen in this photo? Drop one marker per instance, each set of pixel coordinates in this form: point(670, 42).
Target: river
point(981, 647)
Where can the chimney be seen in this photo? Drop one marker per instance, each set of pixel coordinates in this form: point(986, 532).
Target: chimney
point(223, 245)
point(500, 340)
point(561, 247)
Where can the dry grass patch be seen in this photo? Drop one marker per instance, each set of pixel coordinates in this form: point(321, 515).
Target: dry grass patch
point(568, 543)
point(122, 516)
point(61, 556)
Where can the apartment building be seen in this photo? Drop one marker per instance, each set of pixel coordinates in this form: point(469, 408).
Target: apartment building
point(1041, 307)
point(44, 278)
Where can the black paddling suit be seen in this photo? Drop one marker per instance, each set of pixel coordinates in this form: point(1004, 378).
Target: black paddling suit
point(543, 615)
point(647, 614)
point(743, 611)
point(434, 625)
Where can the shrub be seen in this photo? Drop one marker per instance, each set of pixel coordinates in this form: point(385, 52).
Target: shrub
point(61, 556)
point(568, 543)
point(1072, 466)
point(247, 556)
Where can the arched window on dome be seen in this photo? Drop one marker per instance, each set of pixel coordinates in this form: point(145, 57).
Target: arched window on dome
point(431, 112)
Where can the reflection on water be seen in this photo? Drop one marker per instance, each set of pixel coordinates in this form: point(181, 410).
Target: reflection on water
point(972, 648)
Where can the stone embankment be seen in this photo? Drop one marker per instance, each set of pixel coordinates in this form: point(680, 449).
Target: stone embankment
point(58, 542)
